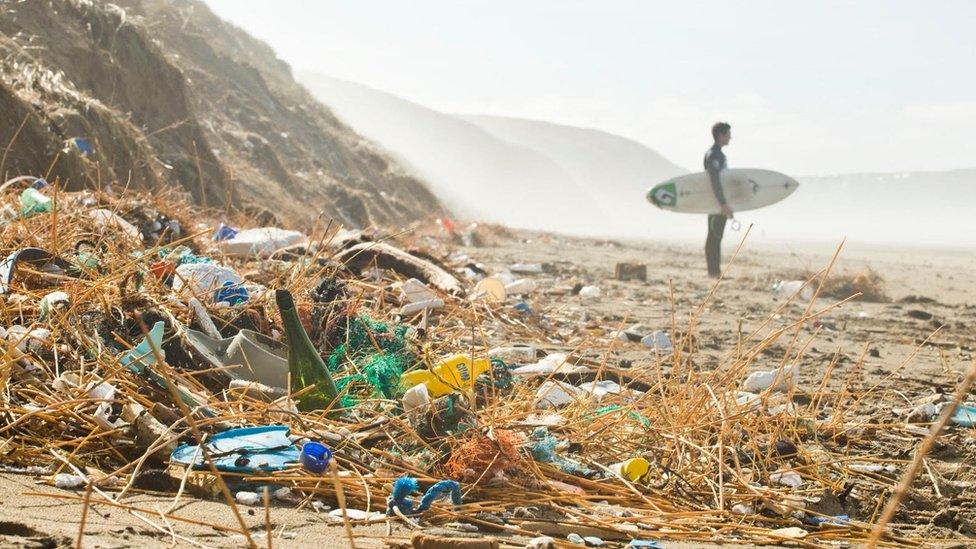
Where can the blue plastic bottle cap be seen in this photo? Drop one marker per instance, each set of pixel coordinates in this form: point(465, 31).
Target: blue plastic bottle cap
point(315, 456)
point(224, 232)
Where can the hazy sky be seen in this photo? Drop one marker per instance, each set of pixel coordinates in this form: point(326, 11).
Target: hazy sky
point(809, 87)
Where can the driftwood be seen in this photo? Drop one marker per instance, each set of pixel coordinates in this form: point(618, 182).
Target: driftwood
point(421, 540)
point(385, 256)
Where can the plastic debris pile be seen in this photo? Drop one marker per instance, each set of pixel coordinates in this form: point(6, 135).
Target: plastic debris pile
point(142, 334)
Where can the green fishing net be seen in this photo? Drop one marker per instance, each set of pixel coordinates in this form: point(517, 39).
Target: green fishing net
point(379, 353)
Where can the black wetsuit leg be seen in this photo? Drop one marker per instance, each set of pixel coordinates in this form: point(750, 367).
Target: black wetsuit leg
point(713, 244)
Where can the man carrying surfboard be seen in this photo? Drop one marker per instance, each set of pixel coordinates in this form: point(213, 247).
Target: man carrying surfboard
point(718, 190)
point(715, 162)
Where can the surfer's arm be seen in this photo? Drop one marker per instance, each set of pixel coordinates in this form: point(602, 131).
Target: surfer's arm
point(714, 168)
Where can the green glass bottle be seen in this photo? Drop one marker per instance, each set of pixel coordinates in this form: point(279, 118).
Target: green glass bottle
point(304, 363)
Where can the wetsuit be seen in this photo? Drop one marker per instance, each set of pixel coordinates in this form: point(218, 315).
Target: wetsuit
point(714, 163)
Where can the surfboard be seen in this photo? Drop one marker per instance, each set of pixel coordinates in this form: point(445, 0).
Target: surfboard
point(744, 188)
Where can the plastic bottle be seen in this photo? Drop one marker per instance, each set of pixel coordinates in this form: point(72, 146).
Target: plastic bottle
point(203, 279)
point(304, 363)
point(455, 373)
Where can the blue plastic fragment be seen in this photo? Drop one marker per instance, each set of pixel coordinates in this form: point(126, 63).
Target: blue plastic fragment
point(404, 486)
point(836, 520)
point(142, 355)
point(645, 544)
point(84, 146)
point(140, 360)
point(232, 293)
point(839, 520)
point(523, 308)
point(39, 183)
point(544, 451)
point(224, 232)
point(245, 450)
point(965, 416)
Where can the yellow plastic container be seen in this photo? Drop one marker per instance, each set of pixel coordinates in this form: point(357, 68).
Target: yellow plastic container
point(633, 469)
point(451, 374)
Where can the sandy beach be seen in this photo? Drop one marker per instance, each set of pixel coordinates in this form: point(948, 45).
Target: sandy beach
point(874, 350)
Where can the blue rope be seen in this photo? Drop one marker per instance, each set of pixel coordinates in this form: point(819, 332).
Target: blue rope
point(399, 497)
point(404, 486)
point(439, 489)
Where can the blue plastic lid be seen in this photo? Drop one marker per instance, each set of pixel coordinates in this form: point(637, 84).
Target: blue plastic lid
point(315, 456)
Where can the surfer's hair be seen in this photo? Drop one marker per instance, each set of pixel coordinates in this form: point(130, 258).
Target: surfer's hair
point(719, 128)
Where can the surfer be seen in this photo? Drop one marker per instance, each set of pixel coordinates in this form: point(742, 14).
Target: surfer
point(714, 163)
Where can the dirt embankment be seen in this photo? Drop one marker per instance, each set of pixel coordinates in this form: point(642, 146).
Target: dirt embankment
point(168, 94)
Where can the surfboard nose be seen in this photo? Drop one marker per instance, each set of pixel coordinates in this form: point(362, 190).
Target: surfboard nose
point(663, 195)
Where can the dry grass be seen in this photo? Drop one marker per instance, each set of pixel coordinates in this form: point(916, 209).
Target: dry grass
point(869, 285)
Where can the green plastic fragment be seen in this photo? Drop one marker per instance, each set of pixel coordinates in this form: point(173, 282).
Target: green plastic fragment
point(604, 410)
point(33, 202)
point(182, 255)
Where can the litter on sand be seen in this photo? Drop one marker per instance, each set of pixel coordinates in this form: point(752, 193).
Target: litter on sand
point(361, 382)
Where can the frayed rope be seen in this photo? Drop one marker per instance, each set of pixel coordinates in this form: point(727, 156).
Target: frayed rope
point(404, 486)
